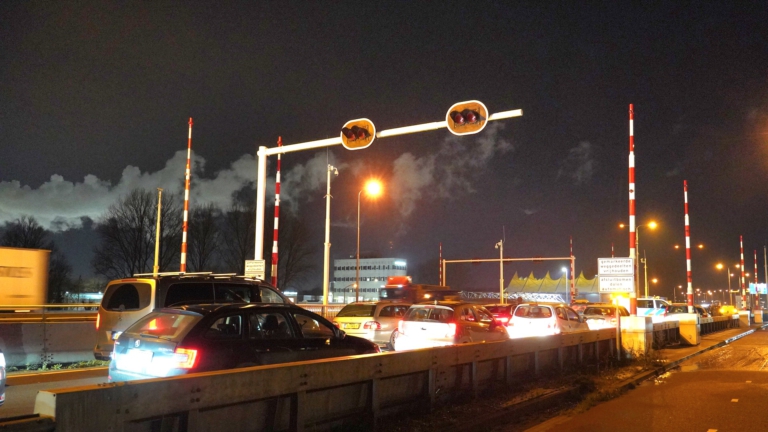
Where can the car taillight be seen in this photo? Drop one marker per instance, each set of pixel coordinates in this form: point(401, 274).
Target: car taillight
point(503, 319)
point(372, 325)
point(185, 358)
point(98, 320)
point(451, 330)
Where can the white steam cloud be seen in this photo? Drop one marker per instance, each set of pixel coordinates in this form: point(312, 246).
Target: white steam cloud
point(448, 172)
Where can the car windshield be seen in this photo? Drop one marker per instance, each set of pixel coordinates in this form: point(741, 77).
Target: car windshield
point(171, 326)
point(434, 314)
point(498, 309)
point(605, 311)
point(678, 309)
point(356, 310)
point(531, 311)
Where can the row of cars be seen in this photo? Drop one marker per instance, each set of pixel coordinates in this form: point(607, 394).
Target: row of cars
point(403, 326)
point(171, 325)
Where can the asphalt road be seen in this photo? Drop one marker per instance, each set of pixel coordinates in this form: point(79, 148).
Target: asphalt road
point(722, 390)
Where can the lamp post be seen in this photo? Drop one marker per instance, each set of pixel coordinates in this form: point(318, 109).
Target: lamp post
point(372, 188)
point(327, 251)
point(500, 247)
point(720, 266)
point(567, 288)
point(651, 225)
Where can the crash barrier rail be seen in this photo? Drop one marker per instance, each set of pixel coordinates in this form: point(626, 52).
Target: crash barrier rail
point(328, 311)
point(50, 342)
point(718, 323)
point(320, 394)
point(49, 312)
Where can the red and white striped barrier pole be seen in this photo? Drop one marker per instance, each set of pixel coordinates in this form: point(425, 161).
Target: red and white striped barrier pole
point(757, 296)
point(440, 261)
point(612, 256)
point(573, 286)
point(277, 216)
point(688, 249)
point(632, 238)
point(743, 287)
point(185, 224)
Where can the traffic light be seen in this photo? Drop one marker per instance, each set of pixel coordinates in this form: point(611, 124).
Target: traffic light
point(358, 134)
point(466, 118)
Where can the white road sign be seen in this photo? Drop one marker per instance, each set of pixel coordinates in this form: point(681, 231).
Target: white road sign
point(255, 268)
point(615, 266)
point(616, 283)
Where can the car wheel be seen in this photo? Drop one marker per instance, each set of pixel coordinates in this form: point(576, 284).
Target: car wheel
point(392, 337)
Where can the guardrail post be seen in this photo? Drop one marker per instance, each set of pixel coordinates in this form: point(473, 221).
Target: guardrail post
point(581, 353)
point(560, 357)
point(536, 362)
point(473, 377)
point(432, 387)
point(298, 419)
point(508, 370)
point(375, 404)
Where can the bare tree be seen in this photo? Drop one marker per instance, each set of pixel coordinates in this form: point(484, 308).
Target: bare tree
point(127, 233)
point(238, 228)
point(295, 253)
point(204, 237)
point(26, 232)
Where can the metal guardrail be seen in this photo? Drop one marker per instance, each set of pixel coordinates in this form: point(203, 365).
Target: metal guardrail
point(718, 323)
point(317, 394)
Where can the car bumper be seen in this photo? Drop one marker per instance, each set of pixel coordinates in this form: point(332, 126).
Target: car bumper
point(404, 343)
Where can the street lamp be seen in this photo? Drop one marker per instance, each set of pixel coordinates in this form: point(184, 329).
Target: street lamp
point(720, 266)
point(567, 288)
point(651, 225)
point(500, 247)
point(373, 189)
point(327, 251)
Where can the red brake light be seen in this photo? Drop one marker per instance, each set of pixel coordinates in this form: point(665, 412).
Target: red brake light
point(372, 325)
point(503, 319)
point(98, 320)
point(186, 358)
point(153, 325)
point(451, 329)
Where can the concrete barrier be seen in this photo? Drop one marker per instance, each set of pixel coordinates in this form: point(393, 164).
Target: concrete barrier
point(636, 335)
point(322, 394)
point(690, 327)
point(46, 342)
point(745, 318)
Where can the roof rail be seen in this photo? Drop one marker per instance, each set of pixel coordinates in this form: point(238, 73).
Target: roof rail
point(248, 277)
point(168, 274)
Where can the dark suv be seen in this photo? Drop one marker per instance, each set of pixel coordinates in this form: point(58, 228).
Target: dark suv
point(127, 300)
point(197, 338)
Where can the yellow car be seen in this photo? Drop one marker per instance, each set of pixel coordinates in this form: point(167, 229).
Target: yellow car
point(726, 310)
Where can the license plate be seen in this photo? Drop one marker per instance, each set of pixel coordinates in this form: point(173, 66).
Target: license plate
point(135, 360)
point(352, 326)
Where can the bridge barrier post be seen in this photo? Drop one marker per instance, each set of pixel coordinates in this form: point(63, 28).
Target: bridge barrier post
point(690, 328)
point(745, 318)
point(636, 335)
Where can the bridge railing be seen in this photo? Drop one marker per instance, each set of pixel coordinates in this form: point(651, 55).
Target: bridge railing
point(317, 394)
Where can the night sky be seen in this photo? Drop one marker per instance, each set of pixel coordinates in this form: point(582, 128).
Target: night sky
point(95, 98)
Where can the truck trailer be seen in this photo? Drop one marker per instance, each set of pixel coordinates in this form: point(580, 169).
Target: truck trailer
point(23, 278)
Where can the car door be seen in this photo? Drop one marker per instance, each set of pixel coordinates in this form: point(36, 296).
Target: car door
point(223, 343)
point(468, 325)
point(272, 338)
point(491, 329)
point(574, 321)
point(317, 338)
point(562, 320)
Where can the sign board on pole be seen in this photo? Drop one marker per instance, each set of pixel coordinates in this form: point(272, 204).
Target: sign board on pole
point(616, 283)
point(757, 288)
point(615, 266)
point(256, 269)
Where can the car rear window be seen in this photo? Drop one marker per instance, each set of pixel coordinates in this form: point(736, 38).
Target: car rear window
point(170, 326)
point(607, 311)
point(433, 314)
point(354, 310)
point(126, 297)
point(498, 309)
point(189, 293)
point(533, 312)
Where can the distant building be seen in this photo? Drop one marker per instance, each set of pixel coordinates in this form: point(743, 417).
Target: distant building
point(373, 276)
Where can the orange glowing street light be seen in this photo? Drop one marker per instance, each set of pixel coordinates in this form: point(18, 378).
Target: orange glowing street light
point(373, 189)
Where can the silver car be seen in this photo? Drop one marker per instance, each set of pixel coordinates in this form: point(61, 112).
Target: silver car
point(375, 321)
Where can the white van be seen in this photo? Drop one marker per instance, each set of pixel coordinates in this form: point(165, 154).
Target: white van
point(656, 308)
point(127, 300)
